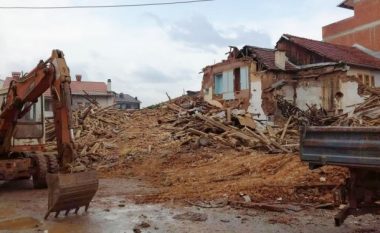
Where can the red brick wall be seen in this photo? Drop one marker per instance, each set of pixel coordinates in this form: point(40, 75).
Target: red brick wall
point(350, 31)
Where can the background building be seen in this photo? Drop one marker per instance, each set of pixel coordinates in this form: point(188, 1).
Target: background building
point(125, 101)
point(363, 28)
point(85, 92)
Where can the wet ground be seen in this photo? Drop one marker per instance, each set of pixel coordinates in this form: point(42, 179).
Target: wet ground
point(22, 210)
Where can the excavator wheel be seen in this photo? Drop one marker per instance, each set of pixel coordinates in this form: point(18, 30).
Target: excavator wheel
point(39, 176)
point(52, 163)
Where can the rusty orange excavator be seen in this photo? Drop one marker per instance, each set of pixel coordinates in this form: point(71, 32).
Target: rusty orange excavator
point(22, 136)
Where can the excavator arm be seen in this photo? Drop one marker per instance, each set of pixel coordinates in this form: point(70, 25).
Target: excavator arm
point(66, 191)
point(23, 93)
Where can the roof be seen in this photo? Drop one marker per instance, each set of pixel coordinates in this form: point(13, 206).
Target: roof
point(92, 88)
point(348, 4)
point(126, 98)
point(264, 56)
point(337, 53)
point(88, 86)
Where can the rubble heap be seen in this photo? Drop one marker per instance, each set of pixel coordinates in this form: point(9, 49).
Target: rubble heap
point(197, 122)
point(365, 114)
point(189, 150)
point(97, 133)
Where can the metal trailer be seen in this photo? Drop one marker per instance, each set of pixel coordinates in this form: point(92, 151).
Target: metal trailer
point(356, 148)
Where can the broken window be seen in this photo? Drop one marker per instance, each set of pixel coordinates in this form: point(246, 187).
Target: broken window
point(218, 84)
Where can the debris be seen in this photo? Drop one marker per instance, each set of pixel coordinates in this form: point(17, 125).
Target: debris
point(266, 206)
point(136, 230)
point(143, 225)
point(191, 216)
point(199, 156)
point(322, 179)
point(325, 206)
point(246, 198)
point(218, 203)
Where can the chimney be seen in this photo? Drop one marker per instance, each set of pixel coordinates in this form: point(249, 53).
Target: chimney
point(78, 77)
point(16, 75)
point(280, 59)
point(109, 88)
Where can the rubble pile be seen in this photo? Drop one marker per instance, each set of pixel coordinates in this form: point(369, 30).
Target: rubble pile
point(365, 114)
point(97, 134)
point(190, 150)
point(197, 122)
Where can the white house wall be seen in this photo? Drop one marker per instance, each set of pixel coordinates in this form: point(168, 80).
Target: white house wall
point(350, 96)
point(376, 74)
point(256, 101)
point(309, 93)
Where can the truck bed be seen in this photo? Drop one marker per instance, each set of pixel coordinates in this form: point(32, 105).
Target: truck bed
point(352, 147)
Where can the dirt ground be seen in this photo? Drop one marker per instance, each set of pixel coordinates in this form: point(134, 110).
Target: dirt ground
point(22, 210)
point(151, 170)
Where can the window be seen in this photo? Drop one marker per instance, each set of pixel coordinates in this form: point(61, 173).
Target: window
point(372, 81)
point(361, 79)
point(47, 105)
point(218, 84)
point(367, 81)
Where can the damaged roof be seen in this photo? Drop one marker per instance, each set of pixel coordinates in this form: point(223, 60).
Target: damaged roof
point(265, 56)
point(348, 4)
point(338, 53)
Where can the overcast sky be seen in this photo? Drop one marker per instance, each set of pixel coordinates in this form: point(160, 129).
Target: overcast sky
point(148, 51)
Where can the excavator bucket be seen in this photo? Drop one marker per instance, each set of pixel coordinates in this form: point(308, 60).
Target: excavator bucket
point(70, 191)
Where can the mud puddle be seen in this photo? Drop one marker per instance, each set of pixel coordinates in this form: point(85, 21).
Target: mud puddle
point(24, 223)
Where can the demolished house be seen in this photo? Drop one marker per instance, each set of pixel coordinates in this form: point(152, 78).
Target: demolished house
point(308, 74)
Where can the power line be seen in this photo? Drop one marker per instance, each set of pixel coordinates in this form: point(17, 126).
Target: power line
point(100, 6)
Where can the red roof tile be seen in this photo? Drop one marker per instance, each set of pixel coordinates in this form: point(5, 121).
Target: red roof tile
point(337, 53)
point(88, 86)
point(264, 56)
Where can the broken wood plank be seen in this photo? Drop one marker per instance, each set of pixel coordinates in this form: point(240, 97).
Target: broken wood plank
point(285, 128)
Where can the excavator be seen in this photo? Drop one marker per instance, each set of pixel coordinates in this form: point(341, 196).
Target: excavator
point(22, 154)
